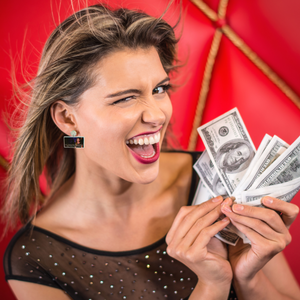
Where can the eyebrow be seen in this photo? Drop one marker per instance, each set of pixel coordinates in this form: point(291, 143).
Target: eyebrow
point(135, 91)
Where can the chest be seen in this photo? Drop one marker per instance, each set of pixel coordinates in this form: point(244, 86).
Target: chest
point(143, 228)
point(147, 273)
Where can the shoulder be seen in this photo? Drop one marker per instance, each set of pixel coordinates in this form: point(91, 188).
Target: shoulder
point(182, 154)
point(178, 167)
point(176, 163)
point(32, 291)
point(27, 258)
point(180, 159)
point(176, 160)
point(13, 251)
point(180, 162)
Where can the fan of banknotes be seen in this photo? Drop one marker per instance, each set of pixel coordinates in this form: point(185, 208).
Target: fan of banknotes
point(231, 166)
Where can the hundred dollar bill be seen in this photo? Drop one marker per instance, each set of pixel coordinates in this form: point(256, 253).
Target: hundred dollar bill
point(247, 178)
point(227, 237)
point(274, 149)
point(229, 146)
point(284, 191)
point(209, 176)
point(285, 168)
point(202, 194)
point(286, 194)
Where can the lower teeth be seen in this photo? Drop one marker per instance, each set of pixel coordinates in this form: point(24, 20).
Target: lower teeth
point(144, 156)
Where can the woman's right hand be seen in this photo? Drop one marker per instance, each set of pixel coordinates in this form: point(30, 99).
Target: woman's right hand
point(191, 241)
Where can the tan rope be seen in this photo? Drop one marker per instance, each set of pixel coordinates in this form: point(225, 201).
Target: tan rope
point(211, 14)
point(236, 40)
point(205, 88)
point(239, 43)
point(4, 163)
point(222, 9)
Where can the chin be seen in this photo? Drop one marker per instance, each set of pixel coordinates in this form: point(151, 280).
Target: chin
point(148, 175)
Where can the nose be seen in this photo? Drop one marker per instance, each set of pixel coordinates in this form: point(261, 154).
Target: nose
point(153, 112)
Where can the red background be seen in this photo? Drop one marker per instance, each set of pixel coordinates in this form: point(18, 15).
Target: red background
point(269, 27)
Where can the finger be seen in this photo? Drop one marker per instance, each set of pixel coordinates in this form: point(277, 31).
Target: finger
point(198, 249)
point(201, 224)
point(253, 236)
point(289, 210)
point(260, 226)
point(184, 210)
point(192, 227)
point(268, 246)
point(267, 215)
point(228, 201)
point(209, 232)
point(188, 215)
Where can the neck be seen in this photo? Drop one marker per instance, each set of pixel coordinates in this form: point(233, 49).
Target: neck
point(94, 194)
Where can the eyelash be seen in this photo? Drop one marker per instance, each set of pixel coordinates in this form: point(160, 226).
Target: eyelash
point(165, 87)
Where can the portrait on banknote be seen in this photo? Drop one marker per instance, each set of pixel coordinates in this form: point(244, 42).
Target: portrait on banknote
point(218, 186)
point(234, 156)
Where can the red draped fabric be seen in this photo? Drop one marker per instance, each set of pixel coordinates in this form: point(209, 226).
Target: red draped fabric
point(268, 27)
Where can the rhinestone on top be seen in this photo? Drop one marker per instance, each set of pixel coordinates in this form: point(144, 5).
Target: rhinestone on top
point(147, 273)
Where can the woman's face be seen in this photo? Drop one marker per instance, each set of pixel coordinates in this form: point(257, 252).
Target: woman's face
point(124, 116)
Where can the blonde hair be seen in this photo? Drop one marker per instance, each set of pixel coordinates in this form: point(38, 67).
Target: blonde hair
point(64, 73)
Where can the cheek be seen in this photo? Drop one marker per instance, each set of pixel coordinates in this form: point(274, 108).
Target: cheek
point(247, 155)
point(105, 130)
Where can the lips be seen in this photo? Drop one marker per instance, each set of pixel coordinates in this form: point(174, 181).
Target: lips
point(145, 147)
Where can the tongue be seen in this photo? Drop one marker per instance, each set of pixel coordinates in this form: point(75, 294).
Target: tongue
point(145, 150)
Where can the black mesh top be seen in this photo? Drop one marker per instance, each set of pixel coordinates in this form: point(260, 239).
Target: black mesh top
point(149, 273)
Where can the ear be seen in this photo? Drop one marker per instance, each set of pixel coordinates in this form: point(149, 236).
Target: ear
point(63, 116)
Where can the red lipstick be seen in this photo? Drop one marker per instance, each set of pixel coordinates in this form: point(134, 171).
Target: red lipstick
point(143, 160)
point(145, 133)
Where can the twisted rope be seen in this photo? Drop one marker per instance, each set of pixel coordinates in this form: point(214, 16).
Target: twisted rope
point(224, 28)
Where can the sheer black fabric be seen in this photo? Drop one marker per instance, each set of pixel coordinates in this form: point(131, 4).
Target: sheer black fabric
point(39, 256)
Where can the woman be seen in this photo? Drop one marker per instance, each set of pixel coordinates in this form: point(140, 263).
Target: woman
point(78, 143)
point(101, 233)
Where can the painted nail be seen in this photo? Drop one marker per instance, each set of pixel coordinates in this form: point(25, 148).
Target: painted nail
point(216, 200)
point(268, 200)
point(238, 207)
point(226, 208)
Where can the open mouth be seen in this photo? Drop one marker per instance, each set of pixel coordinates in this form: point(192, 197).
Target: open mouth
point(145, 148)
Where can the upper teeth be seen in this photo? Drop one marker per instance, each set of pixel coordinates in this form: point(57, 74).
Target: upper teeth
point(145, 140)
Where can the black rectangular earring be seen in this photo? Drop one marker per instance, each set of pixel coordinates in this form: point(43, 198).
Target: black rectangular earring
point(73, 141)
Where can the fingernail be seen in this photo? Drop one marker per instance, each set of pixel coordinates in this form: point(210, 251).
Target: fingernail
point(228, 201)
point(217, 199)
point(268, 200)
point(225, 220)
point(238, 207)
point(226, 208)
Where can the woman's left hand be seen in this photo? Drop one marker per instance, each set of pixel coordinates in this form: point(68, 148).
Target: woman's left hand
point(267, 231)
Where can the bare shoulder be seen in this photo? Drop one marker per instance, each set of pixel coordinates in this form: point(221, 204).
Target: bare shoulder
point(181, 158)
point(31, 291)
point(178, 165)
